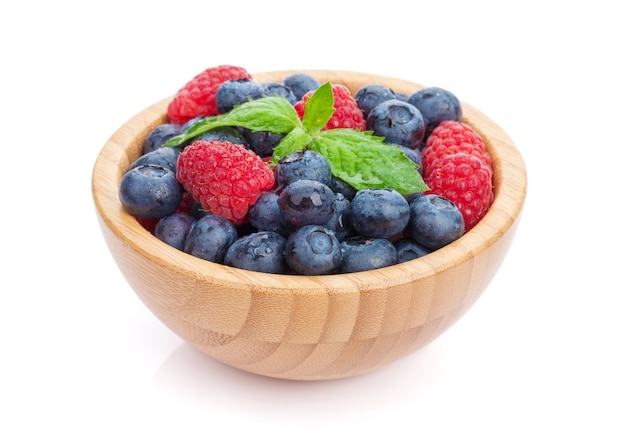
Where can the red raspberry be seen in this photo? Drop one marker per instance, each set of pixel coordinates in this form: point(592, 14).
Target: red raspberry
point(450, 137)
point(347, 114)
point(226, 179)
point(465, 180)
point(197, 97)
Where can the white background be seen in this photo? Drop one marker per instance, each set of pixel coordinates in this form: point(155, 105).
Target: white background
point(542, 349)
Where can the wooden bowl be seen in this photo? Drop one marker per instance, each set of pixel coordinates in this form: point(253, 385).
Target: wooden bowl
point(308, 327)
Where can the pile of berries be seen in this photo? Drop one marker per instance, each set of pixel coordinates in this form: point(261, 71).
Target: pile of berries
point(219, 197)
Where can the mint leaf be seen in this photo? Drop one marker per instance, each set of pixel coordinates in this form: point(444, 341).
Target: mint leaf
point(273, 114)
point(366, 161)
point(358, 158)
point(319, 109)
point(296, 140)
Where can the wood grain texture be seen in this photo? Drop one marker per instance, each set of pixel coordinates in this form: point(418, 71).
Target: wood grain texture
point(308, 327)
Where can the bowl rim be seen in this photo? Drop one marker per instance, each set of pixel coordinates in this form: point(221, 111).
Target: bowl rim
point(510, 186)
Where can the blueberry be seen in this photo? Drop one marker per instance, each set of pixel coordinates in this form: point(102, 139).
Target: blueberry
point(262, 142)
point(360, 254)
point(369, 96)
point(223, 134)
point(398, 122)
point(339, 221)
point(402, 96)
point(150, 191)
point(279, 89)
point(413, 154)
point(197, 211)
point(165, 156)
point(313, 250)
point(305, 164)
point(340, 186)
point(265, 215)
point(306, 202)
point(210, 237)
point(235, 92)
point(435, 221)
point(436, 105)
point(379, 213)
point(159, 135)
point(186, 126)
point(410, 197)
point(262, 251)
point(173, 229)
point(301, 83)
point(408, 249)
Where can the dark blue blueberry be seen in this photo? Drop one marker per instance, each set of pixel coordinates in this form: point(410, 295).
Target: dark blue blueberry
point(263, 251)
point(398, 122)
point(413, 154)
point(210, 237)
point(301, 83)
point(305, 164)
point(150, 191)
point(313, 250)
point(402, 96)
point(159, 135)
point(379, 213)
point(436, 105)
point(223, 134)
point(265, 215)
point(279, 89)
point(197, 211)
point(306, 202)
point(360, 254)
point(435, 221)
point(186, 126)
point(262, 142)
point(339, 221)
point(172, 229)
point(408, 249)
point(245, 229)
point(235, 92)
point(371, 95)
point(410, 197)
point(165, 156)
point(340, 186)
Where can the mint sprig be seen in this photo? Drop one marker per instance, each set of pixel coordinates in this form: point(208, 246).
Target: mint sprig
point(358, 158)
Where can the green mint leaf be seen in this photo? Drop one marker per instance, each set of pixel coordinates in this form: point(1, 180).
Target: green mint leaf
point(366, 161)
point(358, 158)
point(273, 114)
point(319, 109)
point(296, 140)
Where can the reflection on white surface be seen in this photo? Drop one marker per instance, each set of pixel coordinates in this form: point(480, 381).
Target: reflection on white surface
point(190, 368)
point(199, 380)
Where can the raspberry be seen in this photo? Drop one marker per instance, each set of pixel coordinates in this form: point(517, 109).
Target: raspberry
point(197, 97)
point(347, 114)
point(226, 179)
point(466, 181)
point(450, 137)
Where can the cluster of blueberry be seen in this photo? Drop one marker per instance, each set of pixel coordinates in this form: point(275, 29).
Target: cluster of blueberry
point(312, 223)
point(325, 226)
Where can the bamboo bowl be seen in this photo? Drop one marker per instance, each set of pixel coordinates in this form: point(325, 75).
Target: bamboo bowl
point(308, 327)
